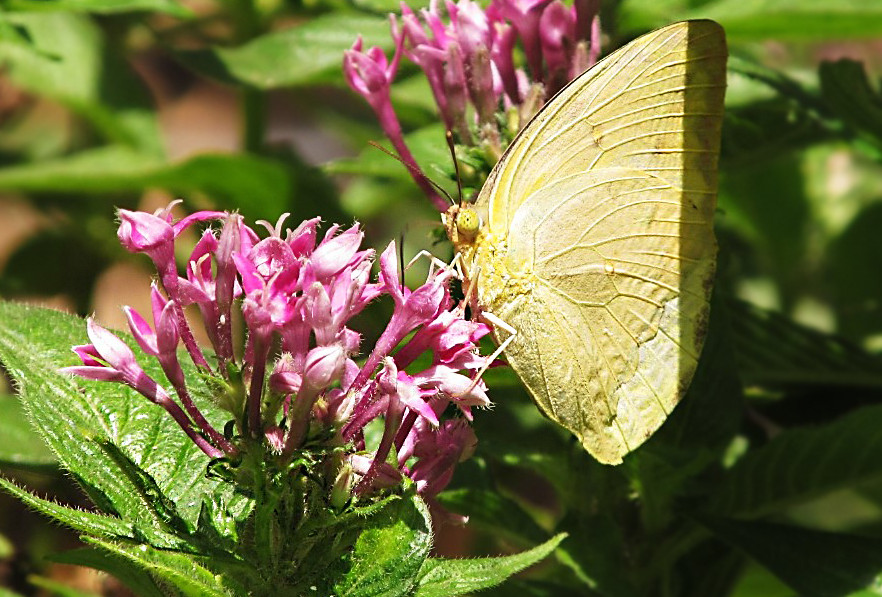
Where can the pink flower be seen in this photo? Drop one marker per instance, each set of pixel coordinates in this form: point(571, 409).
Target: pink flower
point(109, 359)
point(470, 60)
point(292, 387)
point(437, 452)
point(524, 16)
point(370, 74)
point(557, 34)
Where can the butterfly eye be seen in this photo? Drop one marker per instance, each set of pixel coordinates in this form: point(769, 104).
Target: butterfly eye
point(467, 223)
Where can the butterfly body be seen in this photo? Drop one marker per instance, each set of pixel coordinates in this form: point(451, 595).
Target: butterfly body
point(596, 239)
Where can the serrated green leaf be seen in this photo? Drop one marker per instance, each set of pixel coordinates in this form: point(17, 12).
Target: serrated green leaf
point(80, 520)
point(446, 578)
point(99, 6)
point(773, 351)
point(21, 446)
point(801, 464)
point(389, 552)
point(814, 563)
point(70, 62)
point(305, 54)
point(124, 570)
point(258, 186)
point(157, 512)
point(95, 411)
point(183, 571)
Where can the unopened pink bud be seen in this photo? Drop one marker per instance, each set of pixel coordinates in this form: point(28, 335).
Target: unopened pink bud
point(334, 254)
point(384, 474)
point(285, 378)
point(324, 366)
point(140, 231)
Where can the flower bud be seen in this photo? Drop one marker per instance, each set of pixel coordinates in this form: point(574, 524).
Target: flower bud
point(141, 232)
point(324, 366)
point(286, 377)
point(341, 491)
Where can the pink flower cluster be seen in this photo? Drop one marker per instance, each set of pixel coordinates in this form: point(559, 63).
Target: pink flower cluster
point(469, 60)
point(300, 385)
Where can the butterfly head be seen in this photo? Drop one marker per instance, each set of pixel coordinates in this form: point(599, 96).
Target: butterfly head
point(462, 223)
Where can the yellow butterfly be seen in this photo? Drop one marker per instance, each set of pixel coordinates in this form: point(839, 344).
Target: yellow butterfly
point(592, 238)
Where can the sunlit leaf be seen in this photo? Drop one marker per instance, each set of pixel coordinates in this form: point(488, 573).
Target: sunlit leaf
point(306, 53)
point(260, 186)
point(21, 446)
point(442, 577)
point(389, 552)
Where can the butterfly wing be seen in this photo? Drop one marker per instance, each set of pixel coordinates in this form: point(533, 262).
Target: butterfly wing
point(605, 205)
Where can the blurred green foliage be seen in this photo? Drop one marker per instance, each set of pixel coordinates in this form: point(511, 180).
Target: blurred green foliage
point(750, 489)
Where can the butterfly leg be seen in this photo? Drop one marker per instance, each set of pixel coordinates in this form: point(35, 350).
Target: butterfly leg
point(495, 322)
point(434, 261)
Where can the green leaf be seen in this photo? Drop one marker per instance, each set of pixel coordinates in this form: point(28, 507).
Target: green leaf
point(854, 282)
point(803, 20)
point(773, 351)
point(801, 464)
point(21, 446)
point(845, 87)
point(389, 552)
point(80, 520)
point(183, 571)
point(814, 563)
point(8, 593)
point(259, 186)
point(94, 412)
point(493, 511)
point(426, 144)
point(71, 62)
point(634, 17)
point(769, 115)
point(56, 588)
point(446, 578)
point(594, 551)
point(157, 512)
point(306, 54)
point(100, 6)
point(124, 570)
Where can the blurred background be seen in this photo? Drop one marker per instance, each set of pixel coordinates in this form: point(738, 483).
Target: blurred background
point(241, 105)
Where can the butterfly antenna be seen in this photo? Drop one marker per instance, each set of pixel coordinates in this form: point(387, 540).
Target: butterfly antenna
point(415, 171)
point(449, 136)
